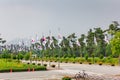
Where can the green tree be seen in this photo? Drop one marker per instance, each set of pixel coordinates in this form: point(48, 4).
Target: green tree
point(20, 56)
point(101, 43)
point(108, 50)
point(82, 45)
point(27, 56)
point(90, 42)
point(75, 49)
point(115, 44)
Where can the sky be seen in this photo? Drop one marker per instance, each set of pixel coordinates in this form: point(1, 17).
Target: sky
point(28, 18)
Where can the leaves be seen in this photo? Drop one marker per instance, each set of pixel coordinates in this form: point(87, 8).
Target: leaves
point(115, 43)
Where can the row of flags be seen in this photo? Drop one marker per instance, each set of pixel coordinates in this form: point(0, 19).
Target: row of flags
point(60, 38)
point(23, 46)
point(44, 40)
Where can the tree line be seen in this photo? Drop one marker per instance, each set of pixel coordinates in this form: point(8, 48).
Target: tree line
point(96, 43)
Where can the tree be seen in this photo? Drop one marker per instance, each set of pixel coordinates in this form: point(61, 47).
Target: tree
point(100, 39)
point(20, 56)
point(27, 56)
point(82, 45)
point(115, 44)
point(75, 48)
point(90, 42)
point(108, 50)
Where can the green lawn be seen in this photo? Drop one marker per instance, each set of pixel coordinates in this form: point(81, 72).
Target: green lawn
point(7, 64)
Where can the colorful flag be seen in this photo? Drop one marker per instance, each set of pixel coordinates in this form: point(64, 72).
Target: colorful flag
point(32, 40)
point(106, 38)
point(70, 44)
point(59, 39)
point(77, 42)
point(43, 41)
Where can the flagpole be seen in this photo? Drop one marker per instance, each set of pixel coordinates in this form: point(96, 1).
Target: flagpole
point(49, 50)
point(43, 48)
point(59, 53)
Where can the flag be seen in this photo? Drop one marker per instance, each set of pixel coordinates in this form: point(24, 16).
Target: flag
point(32, 40)
point(77, 42)
point(37, 39)
point(59, 39)
point(40, 47)
point(43, 41)
point(59, 36)
point(106, 38)
point(70, 44)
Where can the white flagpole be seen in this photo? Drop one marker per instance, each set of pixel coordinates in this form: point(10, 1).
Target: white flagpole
point(49, 44)
point(59, 52)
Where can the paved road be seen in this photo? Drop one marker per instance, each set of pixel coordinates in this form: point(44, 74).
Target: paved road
point(67, 69)
point(37, 75)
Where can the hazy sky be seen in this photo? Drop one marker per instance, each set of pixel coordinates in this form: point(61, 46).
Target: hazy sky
point(27, 18)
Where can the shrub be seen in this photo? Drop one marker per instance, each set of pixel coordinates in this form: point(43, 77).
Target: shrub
point(33, 63)
point(53, 65)
point(66, 62)
point(66, 78)
point(101, 56)
point(45, 65)
point(100, 63)
point(55, 60)
point(28, 63)
point(39, 64)
point(89, 60)
point(27, 56)
point(73, 62)
point(86, 57)
point(112, 64)
point(80, 62)
point(23, 68)
point(9, 60)
point(90, 63)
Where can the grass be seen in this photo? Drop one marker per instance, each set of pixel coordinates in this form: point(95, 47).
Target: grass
point(6, 65)
point(97, 60)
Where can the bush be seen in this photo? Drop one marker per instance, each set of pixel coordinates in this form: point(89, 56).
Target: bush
point(80, 62)
point(90, 63)
point(101, 56)
point(25, 68)
point(28, 63)
point(112, 64)
point(89, 60)
point(100, 63)
point(18, 67)
point(45, 65)
point(53, 65)
point(73, 62)
point(66, 78)
point(39, 64)
point(27, 56)
point(33, 63)
point(86, 57)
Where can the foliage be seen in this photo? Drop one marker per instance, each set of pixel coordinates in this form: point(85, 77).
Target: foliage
point(53, 65)
point(27, 56)
point(66, 78)
point(115, 43)
point(97, 44)
point(86, 57)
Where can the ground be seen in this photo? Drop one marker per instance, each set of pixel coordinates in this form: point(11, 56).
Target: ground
point(69, 69)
